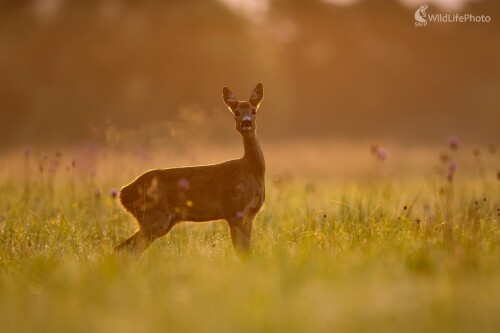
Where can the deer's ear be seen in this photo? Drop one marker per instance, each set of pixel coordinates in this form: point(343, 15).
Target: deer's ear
point(257, 95)
point(229, 98)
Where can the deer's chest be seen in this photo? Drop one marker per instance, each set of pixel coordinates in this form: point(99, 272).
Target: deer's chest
point(256, 196)
point(250, 192)
point(259, 197)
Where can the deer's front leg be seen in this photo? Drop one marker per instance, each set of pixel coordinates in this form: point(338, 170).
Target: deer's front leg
point(239, 235)
point(241, 232)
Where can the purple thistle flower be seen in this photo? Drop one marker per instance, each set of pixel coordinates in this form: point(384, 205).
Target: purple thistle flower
point(382, 154)
point(453, 142)
point(114, 193)
point(183, 184)
point(27, 151)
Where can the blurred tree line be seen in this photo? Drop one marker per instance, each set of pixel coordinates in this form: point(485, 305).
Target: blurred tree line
point(71, 69)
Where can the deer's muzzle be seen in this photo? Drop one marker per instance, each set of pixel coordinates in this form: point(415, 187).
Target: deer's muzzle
point(246, 125)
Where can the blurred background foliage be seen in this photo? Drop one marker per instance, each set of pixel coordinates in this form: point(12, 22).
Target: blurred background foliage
point(77, 71)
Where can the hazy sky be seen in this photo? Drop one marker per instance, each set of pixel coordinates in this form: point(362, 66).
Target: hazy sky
point(357, 72)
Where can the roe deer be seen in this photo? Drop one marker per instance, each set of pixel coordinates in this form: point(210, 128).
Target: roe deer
point(231, 190)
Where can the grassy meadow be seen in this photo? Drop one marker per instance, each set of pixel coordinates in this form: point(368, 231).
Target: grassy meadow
point(347, 241)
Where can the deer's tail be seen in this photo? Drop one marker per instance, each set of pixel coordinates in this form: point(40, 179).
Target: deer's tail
point(128, 196)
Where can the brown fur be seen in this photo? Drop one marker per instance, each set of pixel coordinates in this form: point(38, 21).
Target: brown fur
point(233, 190)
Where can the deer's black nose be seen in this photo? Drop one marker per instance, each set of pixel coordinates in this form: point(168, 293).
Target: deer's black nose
point(246, 124)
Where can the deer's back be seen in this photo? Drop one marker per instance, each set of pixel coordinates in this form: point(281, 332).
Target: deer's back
point(200, 193)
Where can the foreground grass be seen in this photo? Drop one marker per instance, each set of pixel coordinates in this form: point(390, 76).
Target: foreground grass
point(378, 256)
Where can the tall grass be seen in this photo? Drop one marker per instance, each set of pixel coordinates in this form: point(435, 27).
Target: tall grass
point(371, 255)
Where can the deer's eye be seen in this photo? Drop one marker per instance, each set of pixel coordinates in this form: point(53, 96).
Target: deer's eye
point(254, 112)
point(237, 113)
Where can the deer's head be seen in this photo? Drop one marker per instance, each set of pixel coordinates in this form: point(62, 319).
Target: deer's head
point(245, 112)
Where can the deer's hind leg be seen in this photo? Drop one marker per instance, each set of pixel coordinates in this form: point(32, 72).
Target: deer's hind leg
point(154, 224)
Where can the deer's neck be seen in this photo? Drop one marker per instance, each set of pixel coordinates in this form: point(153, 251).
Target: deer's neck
point(254, 158)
